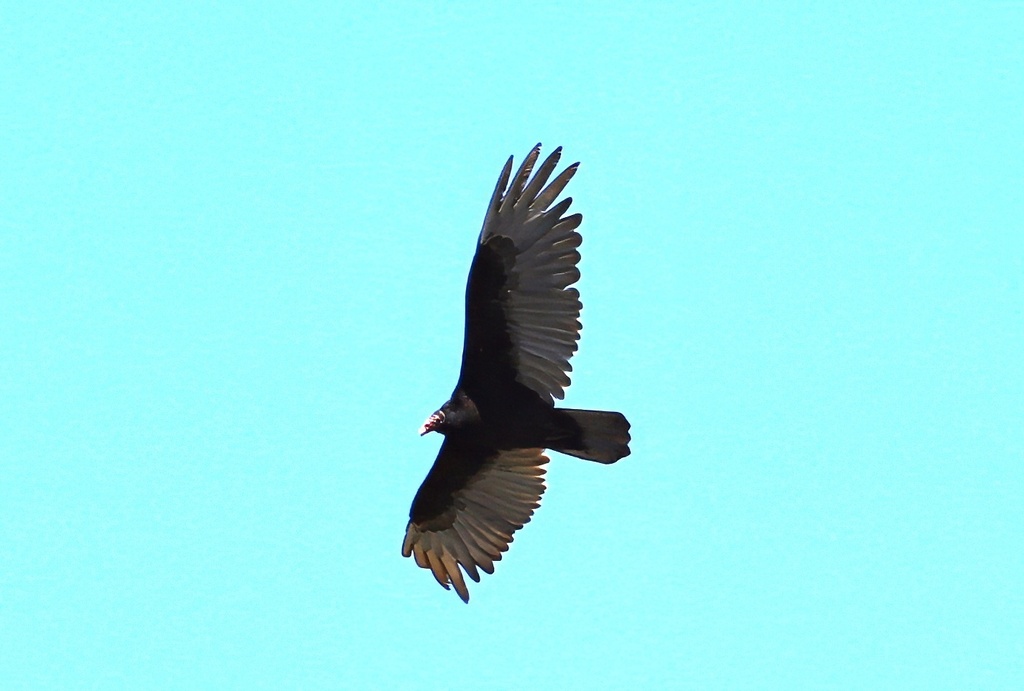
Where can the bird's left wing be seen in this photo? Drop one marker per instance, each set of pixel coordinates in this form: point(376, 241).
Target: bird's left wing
point(522, 315)
point(468, 507)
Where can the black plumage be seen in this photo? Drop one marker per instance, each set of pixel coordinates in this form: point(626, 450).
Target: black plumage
point(522, 327)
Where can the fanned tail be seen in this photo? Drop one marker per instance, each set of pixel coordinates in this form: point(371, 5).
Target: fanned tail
point(595, 435)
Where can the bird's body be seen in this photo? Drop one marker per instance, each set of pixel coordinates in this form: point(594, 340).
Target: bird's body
point(521, 329)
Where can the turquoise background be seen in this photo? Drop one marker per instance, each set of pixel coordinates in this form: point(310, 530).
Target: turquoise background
point(233, 246)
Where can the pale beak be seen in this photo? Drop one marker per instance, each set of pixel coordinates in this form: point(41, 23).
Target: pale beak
point(432, 422)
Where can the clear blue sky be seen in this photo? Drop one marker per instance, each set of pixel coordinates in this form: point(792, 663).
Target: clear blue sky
point(233, 247)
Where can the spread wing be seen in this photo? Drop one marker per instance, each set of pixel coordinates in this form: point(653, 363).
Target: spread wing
point(522, 316)
point(469, 506)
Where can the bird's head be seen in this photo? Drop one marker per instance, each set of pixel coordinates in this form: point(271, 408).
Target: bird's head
point(434, 423)
point(458, 413)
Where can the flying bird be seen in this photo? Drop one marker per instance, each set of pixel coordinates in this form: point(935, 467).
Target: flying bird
point(522, 326)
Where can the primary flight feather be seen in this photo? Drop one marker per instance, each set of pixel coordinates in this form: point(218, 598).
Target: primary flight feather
point(522, 327)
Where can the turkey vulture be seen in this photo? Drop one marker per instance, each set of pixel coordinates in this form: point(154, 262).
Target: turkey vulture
point(522, 325)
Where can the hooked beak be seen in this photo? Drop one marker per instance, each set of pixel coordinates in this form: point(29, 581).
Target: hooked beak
point(432, 423)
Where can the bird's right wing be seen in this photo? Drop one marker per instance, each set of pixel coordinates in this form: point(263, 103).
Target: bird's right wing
point(468, 508)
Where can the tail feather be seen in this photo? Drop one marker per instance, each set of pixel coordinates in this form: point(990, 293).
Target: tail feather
point(595, 435)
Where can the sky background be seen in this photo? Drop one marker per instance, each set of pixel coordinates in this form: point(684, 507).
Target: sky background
point(233, 248)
